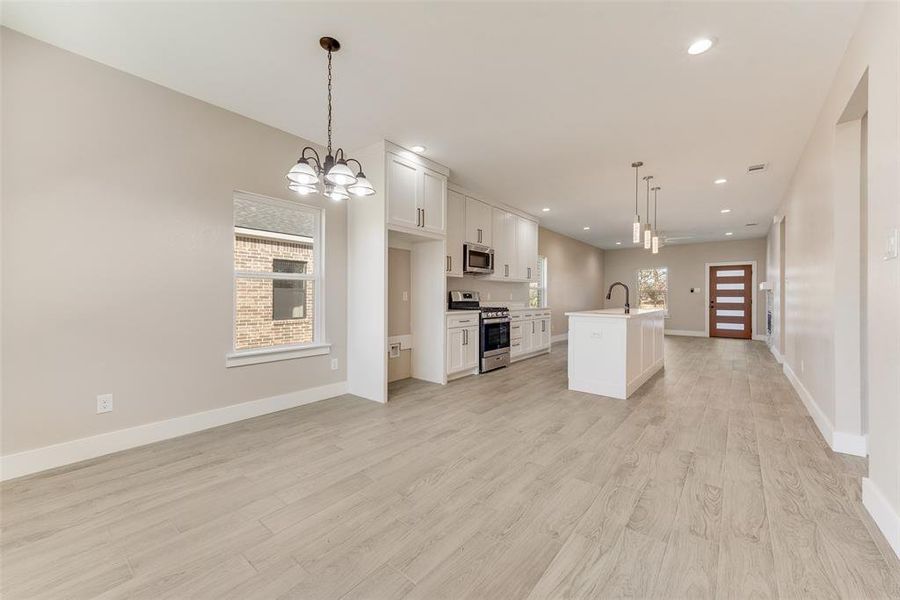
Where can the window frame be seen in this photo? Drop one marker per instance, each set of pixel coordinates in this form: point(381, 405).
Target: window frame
point(542, 283)
point(637, 287)
point(318, 346)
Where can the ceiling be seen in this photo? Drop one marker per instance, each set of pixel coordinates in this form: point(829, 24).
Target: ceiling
point(532, 104)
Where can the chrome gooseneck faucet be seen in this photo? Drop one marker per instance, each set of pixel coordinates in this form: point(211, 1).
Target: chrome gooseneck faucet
point(627, 295)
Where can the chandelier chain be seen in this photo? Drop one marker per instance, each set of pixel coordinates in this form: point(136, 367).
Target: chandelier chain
point(329, 103)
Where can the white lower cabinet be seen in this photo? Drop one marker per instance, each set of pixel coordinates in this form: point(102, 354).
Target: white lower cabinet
point(529, 333)
point(462, 344)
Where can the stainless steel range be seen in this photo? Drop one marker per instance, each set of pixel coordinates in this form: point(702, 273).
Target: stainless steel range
point(494, 329)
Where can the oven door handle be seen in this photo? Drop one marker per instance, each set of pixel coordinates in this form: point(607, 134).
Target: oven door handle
point(496, 320)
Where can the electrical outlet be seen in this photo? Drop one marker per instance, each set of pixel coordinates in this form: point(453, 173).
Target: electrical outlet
point(406, 296)
point(104, 403)
point(334, 364)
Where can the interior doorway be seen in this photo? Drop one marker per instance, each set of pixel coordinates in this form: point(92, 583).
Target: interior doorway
point(730, 299)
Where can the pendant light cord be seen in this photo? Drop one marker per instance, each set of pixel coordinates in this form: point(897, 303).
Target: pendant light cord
point(636, 190)
point(329, 103)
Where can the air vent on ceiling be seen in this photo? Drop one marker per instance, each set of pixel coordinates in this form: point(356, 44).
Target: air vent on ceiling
point(758, 168)
point(750, 224)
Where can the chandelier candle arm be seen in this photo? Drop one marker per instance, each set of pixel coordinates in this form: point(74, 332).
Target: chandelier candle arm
point(332, 176)
point(636, 225)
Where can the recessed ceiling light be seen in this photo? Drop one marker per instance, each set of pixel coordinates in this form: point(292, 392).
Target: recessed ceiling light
point(586, 228)
point(545, 209)
point(418, 148)
point(723, 180)
point(729, 233)
point(700, 46)
point(725, 211)
point(618, 243)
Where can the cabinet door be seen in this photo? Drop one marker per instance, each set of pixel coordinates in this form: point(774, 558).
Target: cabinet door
point(527, 249)
point(504, 236)
point(456, 233)
point(545, 334)
point(401, 189)
point(528, 335)
point(472, 349)
point(433, 201)
point(456, 350)
point(478, 222)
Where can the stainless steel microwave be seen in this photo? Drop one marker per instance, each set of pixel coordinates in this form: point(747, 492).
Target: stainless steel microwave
point(478, 259)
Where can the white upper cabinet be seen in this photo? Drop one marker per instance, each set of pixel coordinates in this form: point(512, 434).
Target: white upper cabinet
point(456, 232)
point(478, 222)
point(504, 238)
point(526, 248)
point(402, 191)
point(433, 201)
point(416, 195)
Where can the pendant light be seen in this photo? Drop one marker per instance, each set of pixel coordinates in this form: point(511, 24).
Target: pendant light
point(647, 232)
point(636, 226)
point(654, 241)
point(333, 176)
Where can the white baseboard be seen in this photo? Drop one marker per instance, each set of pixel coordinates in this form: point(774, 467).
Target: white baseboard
point(686, 332)
point(839, 441)
point(562, 337)
point(65, 453)
point(761, 338)
point(850, 443)
point(778, 358)
point(882, 512)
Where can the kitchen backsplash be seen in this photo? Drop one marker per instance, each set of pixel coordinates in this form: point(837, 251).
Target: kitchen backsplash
point(492, 292)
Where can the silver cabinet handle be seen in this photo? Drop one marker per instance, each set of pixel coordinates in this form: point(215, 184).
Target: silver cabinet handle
point(465, 336)
point(532, 327)
point(451, 263)
point(479, 236)
point(543, 326)
point(529, 272)
point(423, 217)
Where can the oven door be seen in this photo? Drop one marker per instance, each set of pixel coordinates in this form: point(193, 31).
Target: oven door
point(478, 259)
point(494, 336)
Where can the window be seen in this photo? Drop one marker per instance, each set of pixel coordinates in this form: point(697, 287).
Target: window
point(277, 279)
point(537, 290)
point(653, 288)
point(288, 296)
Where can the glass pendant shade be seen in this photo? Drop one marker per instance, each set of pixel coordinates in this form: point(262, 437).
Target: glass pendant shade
point(302, 188)
point(340, 174)
point(362, 187)
point(336, 192)
point(303, 173)
point(654, 244)
point(647, 237)
point(636, 230)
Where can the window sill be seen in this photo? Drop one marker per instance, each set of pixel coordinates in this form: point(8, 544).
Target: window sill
point(265, 355)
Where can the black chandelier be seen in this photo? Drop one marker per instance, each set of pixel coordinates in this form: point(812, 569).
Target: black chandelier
point(333, 176)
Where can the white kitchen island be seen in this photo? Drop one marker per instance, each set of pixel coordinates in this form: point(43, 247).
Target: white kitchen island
point(612, 353)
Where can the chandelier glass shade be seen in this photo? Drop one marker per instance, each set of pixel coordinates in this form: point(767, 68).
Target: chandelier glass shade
point(648, 232)
point(654, 240)
point(331, 176)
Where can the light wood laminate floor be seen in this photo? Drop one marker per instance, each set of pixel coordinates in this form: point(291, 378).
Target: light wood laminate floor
point(711, 481)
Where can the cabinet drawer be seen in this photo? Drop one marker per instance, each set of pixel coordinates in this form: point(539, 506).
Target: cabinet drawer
point(454, 321)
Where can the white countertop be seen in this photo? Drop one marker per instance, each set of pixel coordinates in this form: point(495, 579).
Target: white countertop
point(615, 313)
point(511, 309)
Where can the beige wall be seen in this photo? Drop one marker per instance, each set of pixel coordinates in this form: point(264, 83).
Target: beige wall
point(399, 310)
point(117, 250)
point(574, 276)
point(775, 275)
point(687, 269)
point(812, 295)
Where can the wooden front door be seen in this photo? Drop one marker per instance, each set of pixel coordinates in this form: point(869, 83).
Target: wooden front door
point(731, 301)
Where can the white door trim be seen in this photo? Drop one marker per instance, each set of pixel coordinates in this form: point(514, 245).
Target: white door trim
point(753, 309)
